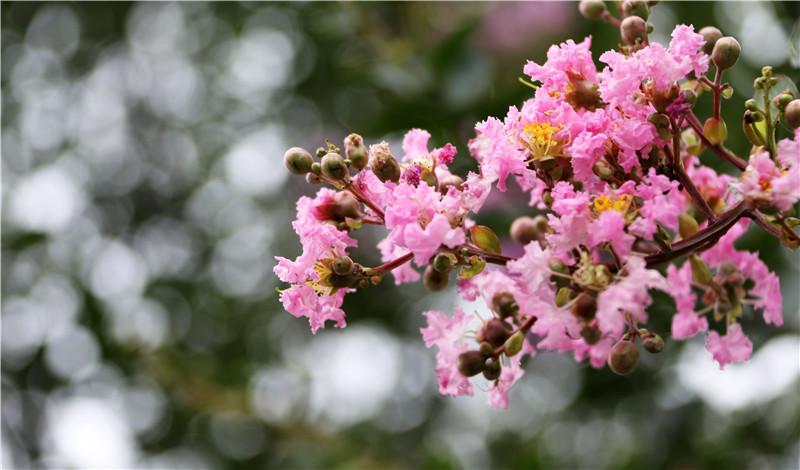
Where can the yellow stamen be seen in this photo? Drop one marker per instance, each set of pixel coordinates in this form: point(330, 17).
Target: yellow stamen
point(621, 203)
point(541, 139)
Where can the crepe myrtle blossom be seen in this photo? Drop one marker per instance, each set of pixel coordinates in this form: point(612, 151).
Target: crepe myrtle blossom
point(621, 205)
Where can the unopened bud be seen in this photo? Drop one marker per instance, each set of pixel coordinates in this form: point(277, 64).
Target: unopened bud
point(633, 28)
point(513, 344)
point(297, 160)
point(585, 306)
point(584, 95)
point(602, 169)
point(383, 164)
point(563, 296)
point(711, 35)
point(320, 152)
point(356, 151)
point(547, 199)
point(653, 343)
point(726, 52)
point(792, 114)
point(486, 349)
point(700, 271)
point(525, 230)
point(471, 363)
point(635, 8)
point(442, 263)
point(435, 280)
point(450, 181)
point(333, 166)
point(715, 130)
point(661, 123)
point(623, 357)
point(311, 178)
point(504, 304)
point(495, 332)
point(492, 369)
point(687, 225)
point(783, 100)
point(590, 334)
point(751, 105)
point(689, 96)
point(592, 9)
point(342, 265)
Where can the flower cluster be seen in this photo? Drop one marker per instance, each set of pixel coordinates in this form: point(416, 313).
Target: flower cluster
point(611, 161)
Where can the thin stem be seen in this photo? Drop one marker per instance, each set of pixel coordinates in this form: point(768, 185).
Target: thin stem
point(695, 124)
point(717, 91)
point(703, 238)
point(687, 183)
point(361, 197)
point(759, 219)
point(610, 19)
point(390, 265)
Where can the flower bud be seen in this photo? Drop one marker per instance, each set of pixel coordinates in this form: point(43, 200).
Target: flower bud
point(711, 35)
point(486, 349)
point(356, 151)
point(653, 343)
point(385, 166)
point(492, 369)
point(311, 178)
point(525, 230)
point(297, 160)
point(470, 363)
point(715, 130)
point(504, 304)
point(547, 198)
point(687, 225)
point(623, 357)
point(792, 114)
point(584, 94)
point(661, 123)
point(726, 52)
point(333, 166)
point(495, 332)
point(342, 265)
point(689, 96)
point(633, 28)
point(442, 263)
point(700, 271)
point(513, 344)
point(783, 100)
point(563, 296)
point(751, 105)
point(435, 280)
point(449, 181)
point(320, 152)
point(592, 9)
point(345, 205)
point(603, 170)
point(585, 306)
point(635, 8)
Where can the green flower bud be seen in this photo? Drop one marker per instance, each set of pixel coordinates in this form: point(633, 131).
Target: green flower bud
point(653, 343)
point(585, 306)
point(320, 152)
point(504, 304)
point(492, 369)
point(689, 96)
point(751, 105)
point(792, 114)
point(715, 130)
point(563, 296)
point(311, 178)
point(442, 263)
point(700, 271)
point(783, 100)
point(547, 199)
point(486, 349)
point(590, 335)
point(333, 166)
point(355, 151)
point(297, 160)
point(711, 35)
point(633, 28)
point(513, 344)
point(342, 265)
point(662, 124)
point(471, 363)
point(726, 52)
point(687, 225)
point(623, 357)
point(603, 170)
point(435, 280)
point(495, 332)
point(592, 9)
point(635, 8)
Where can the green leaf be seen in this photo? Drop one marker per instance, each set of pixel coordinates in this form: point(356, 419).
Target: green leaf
point(485, 238)
point(473, 268)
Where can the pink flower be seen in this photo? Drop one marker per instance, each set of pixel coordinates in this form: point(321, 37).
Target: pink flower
point(302, 301)
point(628, 295)
point(685, 323)
point(532, 269)
point(445, 155)
point(447, 333)
point(610, 227)
point(389, 251)
point(686, 48)
point(565, 60)
point(763, 182)
point(424, 242)
point(498, 390)
point(732, 348)
point(415, 144)
point(496, 152)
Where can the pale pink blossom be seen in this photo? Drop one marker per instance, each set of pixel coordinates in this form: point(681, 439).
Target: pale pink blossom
point(732, 348)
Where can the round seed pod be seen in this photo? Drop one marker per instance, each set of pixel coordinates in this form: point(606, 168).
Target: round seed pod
point(726, 52)
point(471, 363)
point(435, 280)
point(333, 166)
point(297, 160)
point(623, 357)
point(711, 35)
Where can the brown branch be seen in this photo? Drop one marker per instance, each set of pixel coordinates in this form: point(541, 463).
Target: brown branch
point(734, 160)
point(687, 183)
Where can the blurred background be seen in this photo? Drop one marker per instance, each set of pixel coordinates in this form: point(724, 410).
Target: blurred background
point(144, 199)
